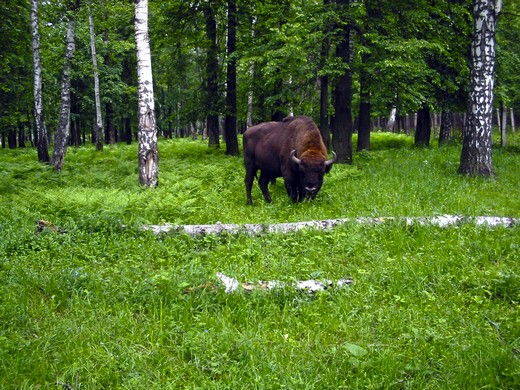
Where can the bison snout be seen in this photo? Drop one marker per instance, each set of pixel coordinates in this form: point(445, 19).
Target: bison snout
point(311, 189)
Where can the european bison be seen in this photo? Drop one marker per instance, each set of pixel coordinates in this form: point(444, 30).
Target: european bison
point(293, 149)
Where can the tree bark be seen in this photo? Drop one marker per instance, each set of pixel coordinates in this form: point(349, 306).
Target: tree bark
point(21, 135)
point(391, 119)
point(62, 133)
point(231, 79)
point(342, 128)
point(476, 143)
point(503, 126)
point(512, 120)
point(128, 130)
point(363, 141)
point(211, 76)
point(254, 229)
point(446, 127)
point(249, 114)
point(148, 163)
point(41, 140)
point(99, 120)
point(424, 127)
point(11, 138)
point(110, 134)
point(324, 85)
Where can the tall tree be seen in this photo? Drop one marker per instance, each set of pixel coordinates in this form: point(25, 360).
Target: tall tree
point(230, 130)
point(324, 82)
point(424, 127)
point(342, 95)
point(99, 120)
point(62, 133)
point(212, 75)
point(363, 141)
point(476, 137)
point(41, 131)
point(148, 154)
point(446, 126)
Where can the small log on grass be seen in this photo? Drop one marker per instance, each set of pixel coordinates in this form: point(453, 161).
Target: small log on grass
point(327, 224)
point(311, 285)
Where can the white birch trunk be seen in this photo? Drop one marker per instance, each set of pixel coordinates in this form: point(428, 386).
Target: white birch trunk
point(41, 131)
point(391, 119)
point(63, 131)
point(512, 120)
point(249, 114)
point(97, 99)
point(327, 224)
point(476, 143)
point(147, 155)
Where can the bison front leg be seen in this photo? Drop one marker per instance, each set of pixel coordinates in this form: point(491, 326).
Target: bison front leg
point(292, 190)
point(263, 182)
point(250, 177)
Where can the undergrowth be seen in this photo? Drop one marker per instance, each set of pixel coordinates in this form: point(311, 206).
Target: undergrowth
point(106, 305)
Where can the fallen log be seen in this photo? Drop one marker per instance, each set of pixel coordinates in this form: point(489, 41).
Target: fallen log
point(311, 285)
point(327, 224)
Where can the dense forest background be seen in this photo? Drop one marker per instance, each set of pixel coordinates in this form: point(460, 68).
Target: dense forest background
point(403, 57)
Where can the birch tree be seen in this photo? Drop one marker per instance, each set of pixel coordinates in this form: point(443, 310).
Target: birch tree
point(41, 131)
point(97, 99)
point(476, 138)
point(147, 134)
point(63, 130)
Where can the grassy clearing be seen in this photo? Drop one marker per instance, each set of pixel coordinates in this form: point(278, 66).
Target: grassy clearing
point(430, 307)
point(198, 185)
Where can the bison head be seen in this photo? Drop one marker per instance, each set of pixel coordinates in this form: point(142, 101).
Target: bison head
point(311, 171)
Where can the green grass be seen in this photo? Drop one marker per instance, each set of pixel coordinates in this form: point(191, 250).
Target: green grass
point(115, 307)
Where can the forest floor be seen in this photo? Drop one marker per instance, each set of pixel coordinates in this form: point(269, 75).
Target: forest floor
point(103, 304)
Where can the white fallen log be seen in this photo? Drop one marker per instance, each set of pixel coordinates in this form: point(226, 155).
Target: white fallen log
point(327, 224)
point(311, 285)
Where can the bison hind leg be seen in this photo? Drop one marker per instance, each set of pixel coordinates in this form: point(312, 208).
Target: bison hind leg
point(263, 182)
point(250, 177)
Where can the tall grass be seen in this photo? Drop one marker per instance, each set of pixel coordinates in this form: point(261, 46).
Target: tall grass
point(109, 306)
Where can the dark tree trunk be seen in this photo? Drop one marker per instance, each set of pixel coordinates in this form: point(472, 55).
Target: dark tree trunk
point(278, 114)
point(11, 138)
point(211, 76)
point(21, 135)
point(424, 127)
point(110, 133)
point(363, 141)
point(231, 95)
point(476, 137)
point(446, 127)
point(128, 130)
point(3, 140)
point(342, 95)
point(324, 86)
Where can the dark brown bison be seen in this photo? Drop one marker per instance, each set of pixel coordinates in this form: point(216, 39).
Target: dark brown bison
point(292, 149)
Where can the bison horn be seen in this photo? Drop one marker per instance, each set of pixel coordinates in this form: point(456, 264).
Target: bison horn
point(332, 160)
point(294, 158)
